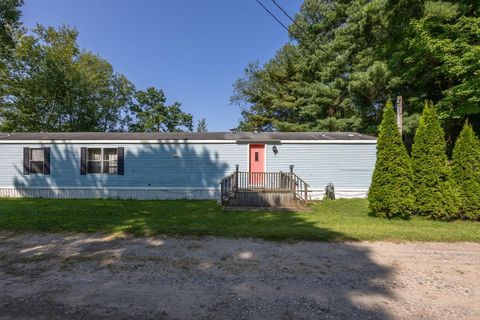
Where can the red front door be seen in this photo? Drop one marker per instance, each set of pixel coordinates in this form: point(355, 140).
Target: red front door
point(257, 163)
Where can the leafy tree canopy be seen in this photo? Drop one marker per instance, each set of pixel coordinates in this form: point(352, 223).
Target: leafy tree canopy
point(152, 113)
point(48, 83)
point(9, 23)
point(53, 85)
point(348, 56)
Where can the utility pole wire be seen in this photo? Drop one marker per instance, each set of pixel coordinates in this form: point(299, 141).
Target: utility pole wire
point(286, 28)
point(274, 17)
point(289, 17)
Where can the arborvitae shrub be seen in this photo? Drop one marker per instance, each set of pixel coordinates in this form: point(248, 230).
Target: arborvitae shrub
point(390, 193)
point(466, 171)
point(436, 194)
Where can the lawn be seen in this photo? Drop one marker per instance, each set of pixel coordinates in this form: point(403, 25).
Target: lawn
point(337, 220)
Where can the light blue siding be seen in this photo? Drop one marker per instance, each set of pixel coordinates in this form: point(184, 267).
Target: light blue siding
point(348, 166)
point(191, 170)
point(146, 165)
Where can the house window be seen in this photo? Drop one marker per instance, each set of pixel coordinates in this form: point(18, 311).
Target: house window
point(37, 160)
point(110, 159)
point(94, 160)
point(102, 160)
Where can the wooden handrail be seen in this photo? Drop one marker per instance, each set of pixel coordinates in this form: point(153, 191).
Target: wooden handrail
point(263, 181)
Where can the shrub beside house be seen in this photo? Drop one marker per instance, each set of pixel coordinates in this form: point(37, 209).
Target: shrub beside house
point(426, 183)
point(436, 194)
point(390, 192)
point(466, 171)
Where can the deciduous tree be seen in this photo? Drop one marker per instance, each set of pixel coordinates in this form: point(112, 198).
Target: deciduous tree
point(151, 113)
point(53, 85)
point(9, 23)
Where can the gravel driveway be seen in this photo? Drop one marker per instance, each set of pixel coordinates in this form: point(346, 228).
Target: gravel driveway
point(44, 276)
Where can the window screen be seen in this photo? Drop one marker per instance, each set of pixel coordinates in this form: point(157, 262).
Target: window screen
point(110, 160)
point(94, 160)
point(102, 160)
point(36, 160)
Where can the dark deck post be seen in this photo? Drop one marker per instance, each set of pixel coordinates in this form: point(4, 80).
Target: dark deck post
point(236, 177)
point(292, 184)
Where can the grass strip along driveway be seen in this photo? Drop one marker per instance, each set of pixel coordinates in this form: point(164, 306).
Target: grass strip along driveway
point(338, 220)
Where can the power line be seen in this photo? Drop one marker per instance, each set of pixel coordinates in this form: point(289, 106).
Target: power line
point(289, 17)
point(274, 17)
point(295, 22)
point(285, 27)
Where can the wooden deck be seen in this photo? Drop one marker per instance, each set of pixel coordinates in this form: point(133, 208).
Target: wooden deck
point(263, 189)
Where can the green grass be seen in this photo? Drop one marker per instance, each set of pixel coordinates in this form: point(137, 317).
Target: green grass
point(337, 220)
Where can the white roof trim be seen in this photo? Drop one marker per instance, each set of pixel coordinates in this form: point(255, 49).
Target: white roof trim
point(105, 188)
point(181, 141)
point(329, 141)
point(115, 141)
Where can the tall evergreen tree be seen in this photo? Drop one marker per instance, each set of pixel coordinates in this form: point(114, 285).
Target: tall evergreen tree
point(436, 194)
point(390, 193)
point(348, 56)
point(202, 125)
point(466, 171)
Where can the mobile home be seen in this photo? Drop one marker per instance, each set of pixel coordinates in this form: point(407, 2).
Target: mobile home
point(177, 165)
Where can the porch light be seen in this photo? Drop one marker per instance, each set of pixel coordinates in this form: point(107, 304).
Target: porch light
point(275, 150)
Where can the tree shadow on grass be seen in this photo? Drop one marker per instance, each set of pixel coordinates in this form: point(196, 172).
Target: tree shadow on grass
point(399, 218)
point(185, 277)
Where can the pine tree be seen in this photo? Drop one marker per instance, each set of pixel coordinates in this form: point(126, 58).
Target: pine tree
point(436, 194)
point(202, 125)
point(390, 193)
point(466, 171)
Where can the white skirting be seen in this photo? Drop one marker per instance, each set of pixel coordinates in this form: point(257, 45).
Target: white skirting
point(340, 193)
point(147, 193)
point(112, 193)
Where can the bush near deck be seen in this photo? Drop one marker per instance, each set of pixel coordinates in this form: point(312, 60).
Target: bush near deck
point(338, 220)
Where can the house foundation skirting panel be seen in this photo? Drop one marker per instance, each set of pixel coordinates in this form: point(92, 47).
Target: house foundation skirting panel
point(149, 193)
point(112, 193)
point(340, 193)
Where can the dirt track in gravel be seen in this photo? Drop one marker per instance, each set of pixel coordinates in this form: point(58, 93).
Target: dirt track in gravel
point(45, 276)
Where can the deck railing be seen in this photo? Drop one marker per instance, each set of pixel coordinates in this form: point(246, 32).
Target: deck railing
point(265, 182)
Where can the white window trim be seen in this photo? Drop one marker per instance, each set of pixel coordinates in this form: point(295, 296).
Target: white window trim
point(101, 161)
point(30, 160)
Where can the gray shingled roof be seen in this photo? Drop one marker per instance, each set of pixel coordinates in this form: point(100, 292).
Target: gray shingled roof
point(242, 136)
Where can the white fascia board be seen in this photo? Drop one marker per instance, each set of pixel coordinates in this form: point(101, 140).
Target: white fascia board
point(116, 141)
point(328, 141)
point(111, 188)
point(180, 142)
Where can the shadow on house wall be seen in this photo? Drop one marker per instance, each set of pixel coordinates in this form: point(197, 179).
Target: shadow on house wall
point(160, 171)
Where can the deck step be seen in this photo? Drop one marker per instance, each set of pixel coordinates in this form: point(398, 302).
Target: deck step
point(263, 199)
point(298, 208)
point(263, 189)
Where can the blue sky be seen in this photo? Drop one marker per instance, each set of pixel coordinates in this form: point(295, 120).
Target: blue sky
point(192, 49)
